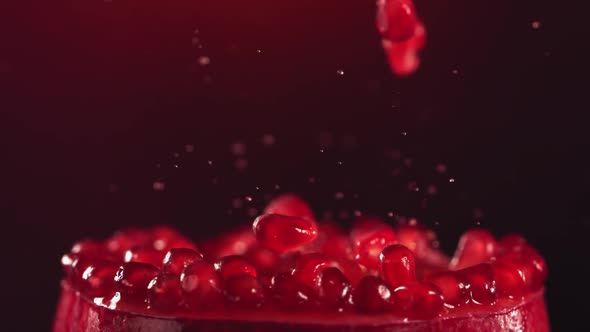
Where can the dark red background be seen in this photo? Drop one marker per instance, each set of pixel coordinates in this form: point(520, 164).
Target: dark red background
point(96, 93)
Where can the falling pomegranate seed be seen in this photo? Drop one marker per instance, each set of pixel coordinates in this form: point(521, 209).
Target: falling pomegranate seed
point(418, 300)
point(243, 290)
point(144, 254)
point(179, 258)
point(403, 56)
point(202, 286)
point(230, 266)
point(333, 288)
point(369, 237)
point(475, 246)
point(371, 295)
point(290, 293)
point(164, 292)
point(133, 278)
point(453, 287)
point(98, 278)
point(283, 233)
point(481, 283)
point(396, 19)
point(397, 266)
point(289, 205)
point(308, 268)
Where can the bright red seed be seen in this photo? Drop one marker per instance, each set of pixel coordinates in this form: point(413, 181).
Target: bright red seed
point(371, 295)
point(133, 278)
point(510, 243)
point(333, 242)
point(481, 283)
point(166, 238)
point(289, 205)
point(333, 289)
point(369, 237)
point(98, 278)
point(201, 285)
point(403, 56)
point(243, 290)
point(282, 233)
point(418, 300)
point(144, 254)
point(127, 238)
point(290, 293)
point(79, 266)
point(179, 258)
point(230, 266)
point(511, 279)
point(397, 265)
point(475, 246)
point(67, 261)
point(540, 267)
point(164, 292)
point(453, 287)
point(232, 243)
point(265, 260)
point(396, 19)
point(353, 271)
point(308, 268)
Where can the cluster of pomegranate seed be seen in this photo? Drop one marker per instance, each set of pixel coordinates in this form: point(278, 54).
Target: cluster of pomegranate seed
point(287, 261)
point(402, 34)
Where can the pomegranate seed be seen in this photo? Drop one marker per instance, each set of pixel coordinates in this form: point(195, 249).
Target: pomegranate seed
point(403, 56)
point(178, 258)
point(371, 295)
point(144, 254)
point(453, 287)
point(264, 259)
point(88, 248)
point(244, 290)
point(369, 237)
point(396, 19)
point(333, 288)
point(308, 267)
point(133, 278)
point(98, 278)
point(289, 205)
point(79, 266)
point(540, 267)
point(291, 293)
point(233, 243)
point(353, 271)
point(397, 265)
point(333, 241)
point(166, 238)
point(201, 284)
point(67, 261)
point(282, 233)
point(418, 300)
point(511, 243)
point(164, 292)
point(125, 239)
point(481, 283)
point(510, 279)
point(475, 246)
point(230, 266)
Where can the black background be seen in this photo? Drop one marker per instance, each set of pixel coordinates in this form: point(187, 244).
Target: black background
point(95, 95)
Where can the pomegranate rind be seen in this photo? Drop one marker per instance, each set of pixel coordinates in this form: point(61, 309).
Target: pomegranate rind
point(75, 313)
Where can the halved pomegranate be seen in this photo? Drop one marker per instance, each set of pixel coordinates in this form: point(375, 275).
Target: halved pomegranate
point(377, 278)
